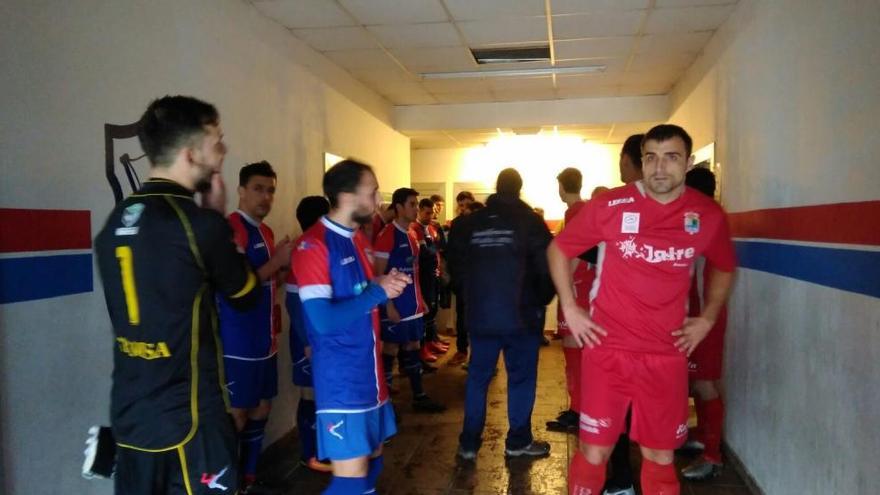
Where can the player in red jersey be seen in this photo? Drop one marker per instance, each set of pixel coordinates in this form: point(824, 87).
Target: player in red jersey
point(570, 184)
point(637, 333)
point(705, 362)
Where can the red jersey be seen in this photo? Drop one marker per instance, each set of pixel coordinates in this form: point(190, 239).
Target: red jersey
point(640, 295)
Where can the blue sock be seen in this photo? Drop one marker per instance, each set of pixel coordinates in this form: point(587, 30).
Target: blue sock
point(412, 366)
point(346, 486)
point(376, 465)
point(305, 424)
point(251, 442)
point(388, 364)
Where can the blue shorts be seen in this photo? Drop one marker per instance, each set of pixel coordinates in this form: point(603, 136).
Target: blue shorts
point(302, 371)
point(403, 332)
point(349, 435)
point(249, 382)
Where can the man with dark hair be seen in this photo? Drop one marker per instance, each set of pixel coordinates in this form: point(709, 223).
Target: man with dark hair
point(340, 298)
point(428, 236)
point(496, 258)
point(570, 184)
point(462, 200)
point(250, 338)
point(705, 363)
point(308, 212)
point(438, 202)
point(631, 159)
point(162, 259)
point(403, 325)
point(620, 480)
point(653, 231)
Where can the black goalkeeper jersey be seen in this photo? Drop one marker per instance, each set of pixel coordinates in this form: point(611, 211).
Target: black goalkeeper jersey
point(162, 258)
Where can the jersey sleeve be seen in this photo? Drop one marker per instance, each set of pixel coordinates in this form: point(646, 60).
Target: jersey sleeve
point(310, 268)
point(239, 233)
point(720, 252)
point(226, 266)
point(582, 232)
point(384, 243)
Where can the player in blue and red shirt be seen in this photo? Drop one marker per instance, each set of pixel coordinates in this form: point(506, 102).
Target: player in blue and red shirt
point(637, 332)
point(340, 300)
point(250, 337)
point(403, 324)
point(308, 213)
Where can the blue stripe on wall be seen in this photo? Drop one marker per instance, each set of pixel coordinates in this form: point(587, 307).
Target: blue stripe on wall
point(41, 277)
point(845, 269)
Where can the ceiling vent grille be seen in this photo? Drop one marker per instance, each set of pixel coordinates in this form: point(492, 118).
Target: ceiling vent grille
point(512, 55)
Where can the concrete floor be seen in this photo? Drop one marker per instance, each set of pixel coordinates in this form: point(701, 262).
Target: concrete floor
point(421, 459)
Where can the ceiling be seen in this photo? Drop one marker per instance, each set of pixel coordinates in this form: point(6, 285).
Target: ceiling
point(645, 46)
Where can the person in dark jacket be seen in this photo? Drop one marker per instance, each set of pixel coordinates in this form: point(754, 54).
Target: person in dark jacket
point(496, 258)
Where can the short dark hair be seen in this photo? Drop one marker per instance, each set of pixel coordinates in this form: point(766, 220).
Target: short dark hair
point(571, 180)
point(426, 203)
point(476, 205)
point(310, 209)
point(436, 198)
point(343, 177)
point(399, 196)
point(464, 195)
point(261, 169)
point(509, 182)
point(702, 179)
point(665, 132)
point(632, 148)
point(171, 123)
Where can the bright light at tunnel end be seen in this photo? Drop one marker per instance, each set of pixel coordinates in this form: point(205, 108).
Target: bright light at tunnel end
point(539, 158)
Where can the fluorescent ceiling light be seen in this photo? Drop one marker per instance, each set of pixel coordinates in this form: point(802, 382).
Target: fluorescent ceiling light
point(547, 71)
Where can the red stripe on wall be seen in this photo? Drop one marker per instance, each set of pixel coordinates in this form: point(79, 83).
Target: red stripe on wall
point(846, 223)
point(44, 230)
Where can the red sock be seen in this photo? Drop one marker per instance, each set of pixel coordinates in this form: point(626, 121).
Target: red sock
point(585, 478)
point(573, 377)
point(713, 421)
point(697, 432)
point(659, 479)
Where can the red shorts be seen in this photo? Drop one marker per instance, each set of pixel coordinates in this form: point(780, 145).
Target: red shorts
point(706, 360)
point(583, 282)
point(655, 385)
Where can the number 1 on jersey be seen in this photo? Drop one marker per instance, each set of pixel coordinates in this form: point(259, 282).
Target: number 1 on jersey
point(126, 264)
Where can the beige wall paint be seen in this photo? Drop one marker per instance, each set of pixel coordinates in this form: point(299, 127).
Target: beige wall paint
point(69, 68)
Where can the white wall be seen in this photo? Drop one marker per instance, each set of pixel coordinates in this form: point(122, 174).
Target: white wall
point(788, 91)
point(69, 68)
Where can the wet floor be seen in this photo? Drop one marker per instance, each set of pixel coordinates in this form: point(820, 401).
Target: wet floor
point(421, 459)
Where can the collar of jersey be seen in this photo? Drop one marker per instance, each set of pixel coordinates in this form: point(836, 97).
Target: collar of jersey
point(164, 186)
point(247, 218)
point(335, 227)
point(398, 227)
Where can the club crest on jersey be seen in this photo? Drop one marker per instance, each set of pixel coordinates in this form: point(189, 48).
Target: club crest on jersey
point(131, 214)
point(630, 223)
point(692, 222)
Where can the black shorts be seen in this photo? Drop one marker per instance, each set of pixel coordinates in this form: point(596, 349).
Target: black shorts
point(206, 464)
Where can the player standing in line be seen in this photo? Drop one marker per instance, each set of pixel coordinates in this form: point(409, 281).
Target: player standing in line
point(637, 332)
point(340, 300)
point(250, 338)
point(403, 325)
point(308, 212)
point(705, 362)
